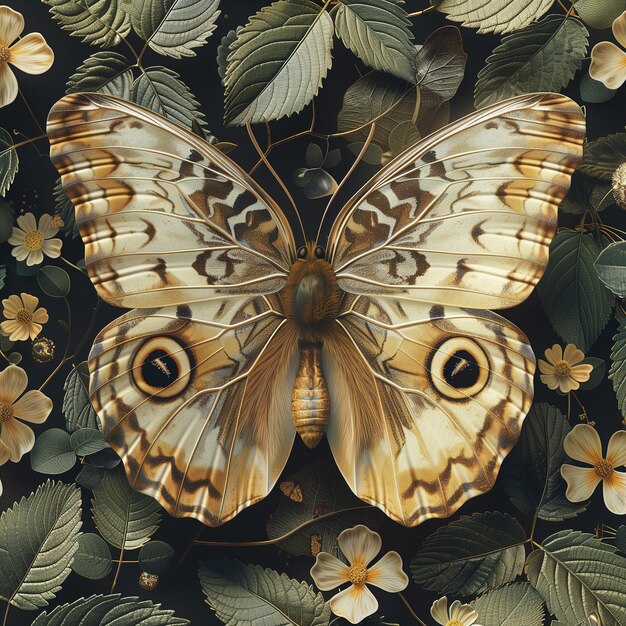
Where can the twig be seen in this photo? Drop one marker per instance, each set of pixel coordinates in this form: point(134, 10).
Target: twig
point(410, 610)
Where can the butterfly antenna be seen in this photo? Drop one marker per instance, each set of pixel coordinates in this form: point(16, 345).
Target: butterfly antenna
point(366, 145)
point(263, 157)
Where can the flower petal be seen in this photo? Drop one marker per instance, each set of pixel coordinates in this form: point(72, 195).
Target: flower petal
point(17, 237)
point(581, 373)
point(463, 613)
point(328, 572)
point(8, 85)
point(359, 544)
point(388, 573)
point(581, 482)
point(554, 354)
point(20, 253)
point(616, 451)
point(13, 381)
point(619, 28)
point(45, 227)
point(583, 444)
point(354, 604)
point(18, 438)
point(11, 306)
point(33, 406)
point(567, 384)
point(35, 257)
point(31, 54)
point(16, 330)
point(30, 302)
point(40, 316)
point(608, 64)
point(545, 367)
point(5, 455)
point(11, 25)
point(614, 492)
point(572, 354)
point(439, 611)
point(52, 248)
point(549, 380)
point(27, 222)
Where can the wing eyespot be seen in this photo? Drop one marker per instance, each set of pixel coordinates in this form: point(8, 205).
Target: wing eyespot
point(162, 368)
point(458, 368)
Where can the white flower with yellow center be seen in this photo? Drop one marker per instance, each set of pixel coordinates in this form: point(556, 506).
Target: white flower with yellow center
point(583, 444)
point(31, 54)
point(32, 407)
point(23, 319)
point(360, 546)
point(33, 240)
point(564, 369)
point(457, 615)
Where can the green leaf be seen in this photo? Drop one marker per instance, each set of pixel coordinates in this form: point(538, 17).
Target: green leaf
point(76, 403)
point(597, 373)
point(323, 491)
point(112, 610)
point(103, 72)
point(156, 557)
point(531, 474)
point(223, 50)
point(379, 33)
point(576, 302)
point(173, 28)
point(93, 558)
point(247, 595)
point(163, 91)
point(373, 154)
point(585, 194)
point(86, 441)
point(617, 371)
point(599, 14)
point(52, 452)
point(54, 281)
point(471, 555)
point(37, 544)
point(9, 162)
point(64, 207)
point(594, 91)
point(124, 517)
point(611, 267)
point(542, 57)
point(603, 156)
point(403, 136)
point(511, 605)
point(278, 62)
point(100, 23)
point(493, 16)
point(575, 573)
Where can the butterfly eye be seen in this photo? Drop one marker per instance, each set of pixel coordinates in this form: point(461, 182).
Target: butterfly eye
point(320, 253)
point(459, 368)
point(162, 368)
point(302, 253)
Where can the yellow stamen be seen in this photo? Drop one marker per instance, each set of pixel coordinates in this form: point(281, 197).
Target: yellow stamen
point(33, 240)
point(6, 412)
point(4, 54)
point(454, 622)
point(357, 574)
point(24, 317)
point(562, 368)
point(603, 469)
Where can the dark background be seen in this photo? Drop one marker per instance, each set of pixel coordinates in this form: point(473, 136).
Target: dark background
point(32, 190)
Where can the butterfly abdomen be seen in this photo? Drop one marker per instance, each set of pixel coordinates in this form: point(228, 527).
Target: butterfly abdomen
point(310, 402)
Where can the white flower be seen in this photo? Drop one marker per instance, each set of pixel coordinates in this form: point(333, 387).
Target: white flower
point(457, 615)
point(583, 444)
point(360, 546)
point(23, 319)
point(31, 54)
point(564, 369)
point(608, 62)
point(32, 240)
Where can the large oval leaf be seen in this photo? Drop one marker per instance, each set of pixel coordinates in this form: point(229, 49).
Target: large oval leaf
point(52, 453)
point(511, 605)
point(278, 62)
point(93, 558)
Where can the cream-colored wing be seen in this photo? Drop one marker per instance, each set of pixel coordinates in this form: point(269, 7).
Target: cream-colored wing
point(196, 399)
point(426, 401)
point(166, 217)
point(466, 216)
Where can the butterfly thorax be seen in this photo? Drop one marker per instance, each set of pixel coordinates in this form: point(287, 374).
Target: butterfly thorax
point(311, 299)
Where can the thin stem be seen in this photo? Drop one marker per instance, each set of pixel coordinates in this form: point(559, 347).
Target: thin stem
point(410, 610)
point(123, 561)
point(4, 356)
point(422, 12)
point(67, 346)
point(19, 144)
point(569, 404)
point(32, 114)
point(71, 264)
point(6, 614)
point(185, 554)
point(117, 569)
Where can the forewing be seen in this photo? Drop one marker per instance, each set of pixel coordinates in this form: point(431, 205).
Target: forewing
point(166, 217)
point(196, 399)
point(417, 427)
point(466, 216)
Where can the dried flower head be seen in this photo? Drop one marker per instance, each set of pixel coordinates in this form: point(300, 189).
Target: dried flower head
point(43, 350)
point(619, 185)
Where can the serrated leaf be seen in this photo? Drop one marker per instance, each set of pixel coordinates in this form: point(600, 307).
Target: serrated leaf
point(617, 371)
point(163, 91)
point(531, 474)
point(543, 57)
point(223, 50)
point(112, 610)
point(93, 558)
point(471, 555)
point(323, 491)
point(156, 557)
point(603, 156)
point(510, 605)
point(576, 302)
point(379, 33)
point(124, 517)
point(278, 62)
point(86, 441)
point(611, 267)
point(103, 72)
point(575, 573)
point(247, 595)
point(89, 476)
point(173, 28)
point(97, 22)
point(77, 408)
point(37, 544)
point(9, 161)
point(52, 453)
point(493, 16)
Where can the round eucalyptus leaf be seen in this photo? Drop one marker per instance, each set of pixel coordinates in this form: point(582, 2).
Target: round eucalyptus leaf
point(52, 453)
point(156, 557)
point(54, 281)
point(87, 441)
point(593, 91)
point(314, 155)
point(93, 558)
point(599, 14)
point(15, 358)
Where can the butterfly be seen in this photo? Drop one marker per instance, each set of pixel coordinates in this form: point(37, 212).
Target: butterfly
point(384, 341)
